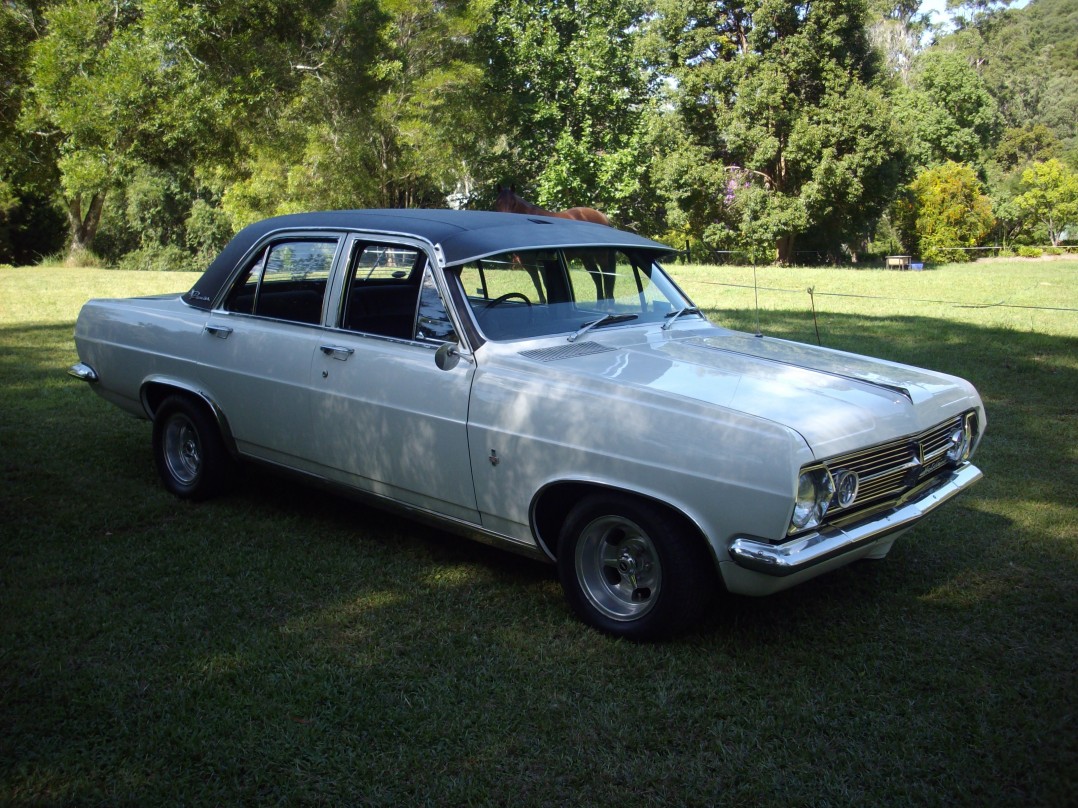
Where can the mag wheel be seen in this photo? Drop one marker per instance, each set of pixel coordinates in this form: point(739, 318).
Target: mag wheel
point(628, 569)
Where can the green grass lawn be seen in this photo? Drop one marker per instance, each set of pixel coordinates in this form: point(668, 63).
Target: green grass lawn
point(282, 645)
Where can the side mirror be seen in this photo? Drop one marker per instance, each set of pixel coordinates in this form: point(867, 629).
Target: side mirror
point(447, 357)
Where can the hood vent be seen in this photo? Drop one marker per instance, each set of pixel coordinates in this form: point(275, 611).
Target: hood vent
point(565, 351)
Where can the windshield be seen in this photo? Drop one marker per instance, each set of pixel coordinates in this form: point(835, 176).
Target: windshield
point(545, 292)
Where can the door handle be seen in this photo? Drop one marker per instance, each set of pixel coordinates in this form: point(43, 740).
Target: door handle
point(338, 352)
point(219, 331)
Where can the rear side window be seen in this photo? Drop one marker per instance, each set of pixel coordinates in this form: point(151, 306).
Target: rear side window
point(286, 281)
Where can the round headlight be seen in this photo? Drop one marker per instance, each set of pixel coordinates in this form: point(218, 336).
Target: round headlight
point(805, 503)
point(814, 491)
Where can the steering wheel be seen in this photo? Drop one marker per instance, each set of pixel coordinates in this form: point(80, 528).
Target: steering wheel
point(508, 296)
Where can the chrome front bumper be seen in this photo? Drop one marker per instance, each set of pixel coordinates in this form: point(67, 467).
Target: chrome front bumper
point(807, 551)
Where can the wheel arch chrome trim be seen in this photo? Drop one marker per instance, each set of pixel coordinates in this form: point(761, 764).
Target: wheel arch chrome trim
point(155, 388)
point(582, 486)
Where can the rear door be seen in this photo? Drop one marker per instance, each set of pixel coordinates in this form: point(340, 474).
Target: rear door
point(259, 342)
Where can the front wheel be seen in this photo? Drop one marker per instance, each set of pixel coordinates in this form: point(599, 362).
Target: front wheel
point(188, 451)
point(631, 570)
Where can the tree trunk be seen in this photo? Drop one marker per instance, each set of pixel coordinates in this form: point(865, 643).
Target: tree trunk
point(784, 245)
point(82, 229)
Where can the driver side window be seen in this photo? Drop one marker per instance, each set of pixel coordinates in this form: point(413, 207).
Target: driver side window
point(392, 293)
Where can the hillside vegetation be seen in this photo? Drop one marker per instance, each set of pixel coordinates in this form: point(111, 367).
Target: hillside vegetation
point(144, 133)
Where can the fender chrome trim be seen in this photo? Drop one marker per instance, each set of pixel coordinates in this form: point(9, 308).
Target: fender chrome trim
point(807, 551)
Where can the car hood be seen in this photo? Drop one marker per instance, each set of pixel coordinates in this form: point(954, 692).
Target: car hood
point(837, 401)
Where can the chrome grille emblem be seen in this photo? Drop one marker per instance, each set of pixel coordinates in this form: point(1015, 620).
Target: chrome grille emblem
point(846, 484)
point(916, 464)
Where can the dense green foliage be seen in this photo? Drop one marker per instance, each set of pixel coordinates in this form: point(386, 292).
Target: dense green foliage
point(567, 92)
point(1051, 197)
point(148, 131)
point(784, 130)
point(944, 212)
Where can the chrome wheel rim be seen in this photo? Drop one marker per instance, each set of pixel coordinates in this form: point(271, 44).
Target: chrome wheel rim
point(183, 451)
point(618, 568)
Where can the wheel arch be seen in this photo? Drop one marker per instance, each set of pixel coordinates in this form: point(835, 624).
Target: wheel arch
point(155, 390)
point(554, 500)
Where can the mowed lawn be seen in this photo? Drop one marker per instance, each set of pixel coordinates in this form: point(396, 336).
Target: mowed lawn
point(282, 645)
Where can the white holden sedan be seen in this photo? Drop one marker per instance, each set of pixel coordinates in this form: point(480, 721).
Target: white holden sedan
point(540, 384)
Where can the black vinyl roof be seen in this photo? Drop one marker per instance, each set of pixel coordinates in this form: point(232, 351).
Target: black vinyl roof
point(462, 235)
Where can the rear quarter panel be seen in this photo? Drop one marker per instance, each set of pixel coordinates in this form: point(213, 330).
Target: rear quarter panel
point(127, 341)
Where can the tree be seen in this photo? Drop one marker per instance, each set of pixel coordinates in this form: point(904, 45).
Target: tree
point(375, 121)
point(566, 95)
point(1051, 197)
point(948, 110)
point(782, 98)
point(944, 210)
point(15, 35)
point(1020, 145)
point(896, 29)
point(111, 88)
point(183, 92)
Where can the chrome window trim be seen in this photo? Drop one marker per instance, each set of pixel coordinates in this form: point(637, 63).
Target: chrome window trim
point(340, 236)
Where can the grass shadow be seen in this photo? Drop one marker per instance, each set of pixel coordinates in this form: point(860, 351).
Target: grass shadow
point(287, 644)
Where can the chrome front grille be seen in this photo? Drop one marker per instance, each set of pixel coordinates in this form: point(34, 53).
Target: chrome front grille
point(887, 471)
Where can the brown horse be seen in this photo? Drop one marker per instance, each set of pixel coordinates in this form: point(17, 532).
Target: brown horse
point(509, 202)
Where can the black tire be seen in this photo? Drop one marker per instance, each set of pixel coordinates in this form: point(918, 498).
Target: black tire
point(188, 450)
point(631, 569)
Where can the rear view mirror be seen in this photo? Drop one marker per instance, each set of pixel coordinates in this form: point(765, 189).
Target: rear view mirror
point(447, 357)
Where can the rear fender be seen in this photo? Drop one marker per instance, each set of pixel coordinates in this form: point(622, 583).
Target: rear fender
point(157, 388)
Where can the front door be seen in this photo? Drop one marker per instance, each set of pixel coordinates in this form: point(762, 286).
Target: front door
point(387, 419)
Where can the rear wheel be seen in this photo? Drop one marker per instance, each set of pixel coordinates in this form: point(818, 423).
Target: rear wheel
point(188, 450)
point(631, 570)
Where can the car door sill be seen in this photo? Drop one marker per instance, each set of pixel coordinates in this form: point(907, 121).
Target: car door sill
point(459, 527)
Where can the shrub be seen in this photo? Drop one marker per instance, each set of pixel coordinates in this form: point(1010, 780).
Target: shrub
point(1029, 252)
point(1054, 251)
point(944, 209)
point(159, 259)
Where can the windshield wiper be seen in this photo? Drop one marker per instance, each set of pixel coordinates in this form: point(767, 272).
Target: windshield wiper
point(672, 317)
point(606, 319)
